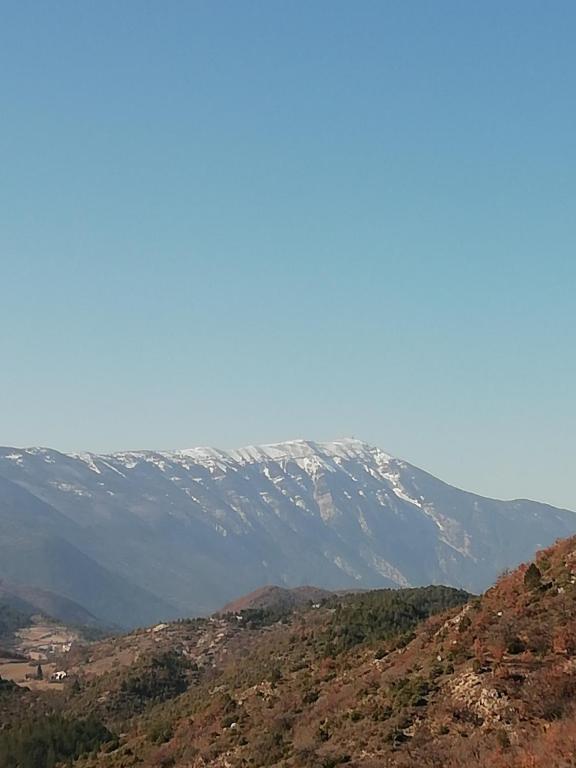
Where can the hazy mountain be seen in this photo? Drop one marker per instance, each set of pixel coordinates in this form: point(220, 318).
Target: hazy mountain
point(38, 548)
point(41, 601)
point(138, 536)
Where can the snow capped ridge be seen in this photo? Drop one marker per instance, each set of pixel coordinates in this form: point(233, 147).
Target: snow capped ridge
point(289, 449)
point(335, 513)
point(292, 449)
point(299, 449)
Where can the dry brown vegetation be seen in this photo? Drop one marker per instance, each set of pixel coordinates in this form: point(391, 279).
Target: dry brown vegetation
point(489, 683)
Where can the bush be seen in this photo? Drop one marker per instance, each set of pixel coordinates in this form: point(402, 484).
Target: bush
point(310, 697)
point(410, 691)
point(160, 731)
point(503, 739)
point(436, 670)
point(515, 645)
point(270, 748)
point(550, 695)
point(532, 577)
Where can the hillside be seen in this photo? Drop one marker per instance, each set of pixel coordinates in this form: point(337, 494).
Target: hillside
point(125, 682)
point(492, 684)
point(32, 600)
point(277, 598)
point(144, 536)
point(379, 678)
point(43, 549)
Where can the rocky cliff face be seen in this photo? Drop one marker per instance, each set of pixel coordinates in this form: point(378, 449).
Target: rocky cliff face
point(183, 532)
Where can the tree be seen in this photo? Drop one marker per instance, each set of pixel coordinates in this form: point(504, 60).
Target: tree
point(532, 577)
point(39, 673)
point(50, 757)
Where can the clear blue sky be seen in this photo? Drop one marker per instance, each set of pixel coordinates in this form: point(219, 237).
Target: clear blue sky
point(246, 221)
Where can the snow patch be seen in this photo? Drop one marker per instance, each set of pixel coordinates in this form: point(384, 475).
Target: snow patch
point(17, 457)
point(347, 568)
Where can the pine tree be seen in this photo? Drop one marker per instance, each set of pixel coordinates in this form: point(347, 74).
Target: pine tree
point(532, 577)
point(50, 757)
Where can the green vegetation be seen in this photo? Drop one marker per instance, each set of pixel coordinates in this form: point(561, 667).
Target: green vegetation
point(92, 634)
point(11, 619)
point(319, 688)
point(42, 743)
point(7, 685)
point(158, 679)
point(160, 731)
point(256, 618)
point(410, 691)
point(532, 577)
point(388, 613)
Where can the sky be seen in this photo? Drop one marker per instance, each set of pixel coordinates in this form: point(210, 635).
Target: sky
point(230, 222)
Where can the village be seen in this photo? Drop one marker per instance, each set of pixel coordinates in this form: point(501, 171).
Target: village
point(37, 657)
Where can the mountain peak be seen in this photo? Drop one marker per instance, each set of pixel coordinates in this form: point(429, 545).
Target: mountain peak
point(300, 449)
point(197, 527)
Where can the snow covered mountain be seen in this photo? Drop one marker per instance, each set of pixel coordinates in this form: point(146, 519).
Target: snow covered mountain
point(141, 535)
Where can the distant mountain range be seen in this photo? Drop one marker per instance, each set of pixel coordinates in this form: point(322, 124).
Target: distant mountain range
point(139, 536)
point(32, 600)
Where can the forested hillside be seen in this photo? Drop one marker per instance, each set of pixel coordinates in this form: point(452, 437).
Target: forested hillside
point(430, 676)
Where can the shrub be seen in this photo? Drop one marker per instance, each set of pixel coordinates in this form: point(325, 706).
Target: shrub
point(515, 645)
point(160, 731)
point(270, 748)
point(532, 577)
point(410, 691)
point(310, 697)
point(503, 739)
point(550, 695)
point(436, 670)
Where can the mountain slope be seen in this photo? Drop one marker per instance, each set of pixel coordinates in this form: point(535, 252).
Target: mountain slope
point(198, 527)
point(277, 598)
point(40, 549)
point(491, 684)
point(33, 600)
point(428, 676)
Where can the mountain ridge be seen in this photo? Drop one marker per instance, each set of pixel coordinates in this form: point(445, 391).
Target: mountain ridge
point(48, 604)
point(197, 527)
point(267, 452)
